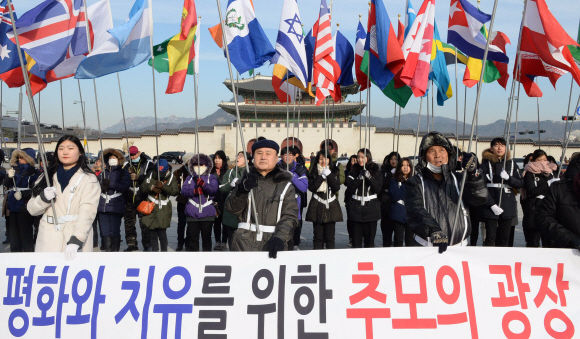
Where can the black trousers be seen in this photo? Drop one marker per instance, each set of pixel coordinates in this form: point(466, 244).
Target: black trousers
point(349, 227)
point(324, 234)
point(158, 237)
point(21, 232)
point(131, 216)
point(219, 231)
point(110, 224)
point(387, 230)
point(95, 232)
point(366, 231)
point(181, 223)
point(403, 234)
point(297, 233)
point(194, 228)
point(497, 232)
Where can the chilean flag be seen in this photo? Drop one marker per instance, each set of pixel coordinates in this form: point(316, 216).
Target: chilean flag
point(359, 50)
point(465, 22)
point(417, 49)
point(386, 57)
point(544, 49)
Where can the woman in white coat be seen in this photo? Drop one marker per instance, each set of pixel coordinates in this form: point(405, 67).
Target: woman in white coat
point(75, 191)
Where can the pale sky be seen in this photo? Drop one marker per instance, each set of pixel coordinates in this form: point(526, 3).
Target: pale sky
point(137, 82)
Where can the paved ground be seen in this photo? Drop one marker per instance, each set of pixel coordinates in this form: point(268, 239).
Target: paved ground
point(307, 235)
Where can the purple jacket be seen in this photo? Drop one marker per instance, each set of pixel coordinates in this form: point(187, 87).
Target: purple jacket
point(210, 189)
point(299, 180)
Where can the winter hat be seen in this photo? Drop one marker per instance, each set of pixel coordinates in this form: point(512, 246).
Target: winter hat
point(30, 152)
point(436, 139)
point(163, 165)
point(133, 150)
point(265, 144)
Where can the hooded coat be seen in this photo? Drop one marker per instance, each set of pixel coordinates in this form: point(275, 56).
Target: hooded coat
point(23, 180)
point(431, 204)
point(270, 198)
point(160, 218)
point(317, 211)
point(559, 213)
point(397, 195)
point(371, 210)
point(225, 189)
point(537, 187)
point(209, 189)
point(85, 200)
point(120, 183)
point(142, 168)
point(492, 166)
point(300, 182)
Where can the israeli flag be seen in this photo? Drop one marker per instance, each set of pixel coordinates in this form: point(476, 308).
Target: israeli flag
point(123, 48)
point(290, 50)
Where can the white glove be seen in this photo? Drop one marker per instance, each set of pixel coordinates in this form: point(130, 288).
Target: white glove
point(496, 210)
point(393, 170)
point(325, 173)
point(50, 193)
point(18, 195)
point(504, 175)
point(234, 182)
point(367, 174)
point(551, 181)
point(11, 173)
point(71, 251)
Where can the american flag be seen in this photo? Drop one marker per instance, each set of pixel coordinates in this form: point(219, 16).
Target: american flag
point(53, 31)
point(326, 70)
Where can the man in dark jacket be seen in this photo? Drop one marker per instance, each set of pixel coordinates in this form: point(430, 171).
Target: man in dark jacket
point(432, 194)
point(274, 201)
point(138, 168)
point(559, 212)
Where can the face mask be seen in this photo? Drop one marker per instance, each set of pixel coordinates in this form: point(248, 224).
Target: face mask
point(113, 162)
point(135, 161)
point(434, 169)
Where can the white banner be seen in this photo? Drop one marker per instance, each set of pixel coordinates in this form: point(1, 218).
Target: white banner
point(382, 293)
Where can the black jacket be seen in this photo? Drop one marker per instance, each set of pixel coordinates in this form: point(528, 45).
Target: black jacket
point(508, 201)
point(143, 168)
point(371, 210)
point(385, 199)
point(536, 188)
point(431, 204)
point(317, 211)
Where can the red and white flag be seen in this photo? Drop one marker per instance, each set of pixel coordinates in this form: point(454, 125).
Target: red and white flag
point(326, 70)
point(544, 49)
point(417, 50)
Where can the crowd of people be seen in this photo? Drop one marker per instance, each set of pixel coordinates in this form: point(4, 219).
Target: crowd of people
point(259, 202)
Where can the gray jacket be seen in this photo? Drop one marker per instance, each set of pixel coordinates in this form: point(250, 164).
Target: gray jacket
point(276, 207)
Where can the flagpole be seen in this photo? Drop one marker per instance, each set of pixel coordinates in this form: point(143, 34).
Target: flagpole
point(418, 127)
point(464, 116)
point(538, 102)
point(225, 44)
point(62, 105)
point(432, 106)
point(287, 118)
point(456, 107)
point(2, 142)
point(84, 115)
point(19, 118)
point(57, 227)
point(38, 106)
point(475, 113)
point(255, 111)
point(123, 110)
point(299, 102)
point(294, 119)
point(570, 98)
point(394, 126)
point(399, 130)
point(568, 138)
point(428, 112)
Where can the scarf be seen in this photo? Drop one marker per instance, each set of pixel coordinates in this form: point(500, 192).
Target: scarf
point(541, 167)
point(324, 185)
point(63, 176)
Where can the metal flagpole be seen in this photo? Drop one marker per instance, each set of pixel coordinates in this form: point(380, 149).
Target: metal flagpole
point(299, 102)
point(84, 116)
point(399, 130)
point(539, 133)
point(456, 107)
point(57, 227)
point(332, 121)
point(123, 110)
point(255, 112)
point(2, 142)
point(253, 206)
point(38, 106)
point(432, 106)
point(369, 112)
point(568, 138)
point(394, 126)
point(62, 105)
point(294, 118)
point(19, 118)
point(475, 113)
point(360, 119)
point(428, 112)
point(287, 118)
point(464, 116)
point(418, 127)
point(154, 95)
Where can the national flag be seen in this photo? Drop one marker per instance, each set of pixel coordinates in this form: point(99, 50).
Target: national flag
point(162, 60)
point(439, 73)
point(361, 37)
point(247, 43)
point(280, 74)
point(217, 35)
point(326, 70)
point(386, 57)
point(8, 50)
point(494, 70)
point(399, 95)
point(46, 32)
point(575, 50)
point(401, 32)
point(344, 56)
point(417, 49)
point(544, 49)
point(290, 51)
point(465, 23)
point(124, 47)
point(197, 43)
point(450, 55)
point(410, 16)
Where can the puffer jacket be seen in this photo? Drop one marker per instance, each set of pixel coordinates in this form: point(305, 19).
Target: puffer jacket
point(431, 205)
point(276, 206)
point(114, 200)
point(134, 195)
point(317, 211)
point(160, 218)
point(385, 198)
point(559, 213)
point(229, 219)
point(536, 186)
point(209, 189)
point(371, 209)
point(300, 182)
point(397, 197)
point(23, 180)
point(492, 166)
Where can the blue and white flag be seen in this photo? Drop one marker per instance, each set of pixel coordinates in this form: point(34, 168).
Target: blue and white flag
point(248, 45)
point(290, 50)
point(123, 48)
point(410, 16)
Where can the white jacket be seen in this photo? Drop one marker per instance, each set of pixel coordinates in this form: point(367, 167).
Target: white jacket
point(83, 205)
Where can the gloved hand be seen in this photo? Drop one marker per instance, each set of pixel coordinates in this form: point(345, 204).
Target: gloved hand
point(440, 240)
point(159, 184)
point(551, 181)
point(18, 195)
point(496, 210)
point(200, 182)
point(134, 176)
point(325, 173)
point(49, 193)
point(234, 182)
point(469, 162)
point(275, 245)
point(71, 251)
point(365, 174)
point(249, 181)
point(11, 173)
point(156, 190)
point(198, 191)
point(504, 175)
point(105, 185)
point(575, 243)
